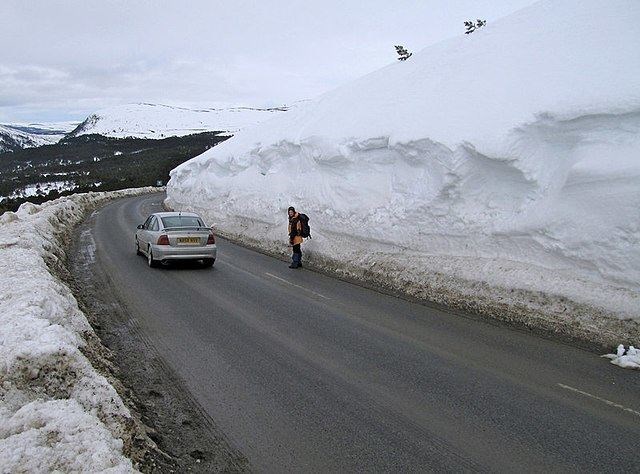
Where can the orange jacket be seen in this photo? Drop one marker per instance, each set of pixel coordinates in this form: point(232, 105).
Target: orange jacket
point(294, 234)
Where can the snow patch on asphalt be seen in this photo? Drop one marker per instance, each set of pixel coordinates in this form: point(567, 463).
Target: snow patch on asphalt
point(625, 358)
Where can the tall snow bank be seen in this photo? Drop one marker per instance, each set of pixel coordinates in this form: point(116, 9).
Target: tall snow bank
point(56, 411)
point(501, 167)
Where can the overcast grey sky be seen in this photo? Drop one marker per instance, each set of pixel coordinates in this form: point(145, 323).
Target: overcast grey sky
point(62, 60)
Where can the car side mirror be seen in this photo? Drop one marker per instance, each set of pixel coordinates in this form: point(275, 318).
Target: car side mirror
point(140, 226)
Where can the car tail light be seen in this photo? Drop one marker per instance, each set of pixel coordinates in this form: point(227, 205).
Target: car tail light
point(163, 240)
point(211, 240)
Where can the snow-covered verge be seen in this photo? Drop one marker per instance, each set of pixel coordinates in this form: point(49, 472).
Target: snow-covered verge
point(57, 413)
point(156, 121)
point(497, 171)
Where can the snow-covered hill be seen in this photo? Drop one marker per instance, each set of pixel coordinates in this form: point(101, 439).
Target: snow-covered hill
point(161, 121)
point(499, 169)
point(17, 136)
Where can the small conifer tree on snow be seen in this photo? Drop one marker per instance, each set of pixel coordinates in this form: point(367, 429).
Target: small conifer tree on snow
point(473, 26)
point(403, 53)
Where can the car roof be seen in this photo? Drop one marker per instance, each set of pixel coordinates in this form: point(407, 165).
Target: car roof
point(175, 213)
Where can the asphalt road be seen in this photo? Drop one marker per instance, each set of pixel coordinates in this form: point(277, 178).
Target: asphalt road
point(307, 373)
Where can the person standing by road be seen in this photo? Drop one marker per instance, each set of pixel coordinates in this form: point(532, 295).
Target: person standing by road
point(295, 237)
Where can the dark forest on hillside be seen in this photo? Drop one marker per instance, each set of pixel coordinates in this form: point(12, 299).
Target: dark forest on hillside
point(97, 163)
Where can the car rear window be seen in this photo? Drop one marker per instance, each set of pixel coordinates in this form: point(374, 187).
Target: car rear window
point(182, 221)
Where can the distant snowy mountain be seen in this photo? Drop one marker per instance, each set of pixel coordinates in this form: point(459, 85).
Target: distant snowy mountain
point(152, 121)
point(500, 167)
point(18, 136)
point(161, 121)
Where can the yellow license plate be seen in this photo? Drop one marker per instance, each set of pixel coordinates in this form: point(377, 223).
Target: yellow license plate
point(188, 240)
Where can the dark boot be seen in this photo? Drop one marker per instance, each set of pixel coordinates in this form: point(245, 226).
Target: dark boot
point(296, 260)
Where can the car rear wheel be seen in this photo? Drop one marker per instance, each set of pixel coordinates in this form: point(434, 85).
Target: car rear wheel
point(150, 260)
point(208, 262)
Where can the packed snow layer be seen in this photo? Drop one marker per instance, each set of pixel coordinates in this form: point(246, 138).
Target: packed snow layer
point(161, 121)
point(56, 412)
point(498, 170)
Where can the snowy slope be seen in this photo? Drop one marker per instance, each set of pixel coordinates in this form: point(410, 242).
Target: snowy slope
point(12, 139)
point(501, 166)
point(17, 136)
point(160, 121)
point(57, 413)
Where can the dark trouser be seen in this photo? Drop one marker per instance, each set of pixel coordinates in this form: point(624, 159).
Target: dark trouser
point(296, 258)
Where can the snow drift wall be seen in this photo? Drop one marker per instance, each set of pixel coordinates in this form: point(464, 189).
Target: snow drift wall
point(498, 170)
point(56, 412)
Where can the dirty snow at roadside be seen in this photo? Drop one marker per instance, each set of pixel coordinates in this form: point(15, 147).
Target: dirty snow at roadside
point(498, 170)
point(56, 411)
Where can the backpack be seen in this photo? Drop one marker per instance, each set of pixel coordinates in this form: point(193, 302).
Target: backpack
point(304, 225)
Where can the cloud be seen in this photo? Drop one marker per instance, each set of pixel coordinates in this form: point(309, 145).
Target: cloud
point(67, 57)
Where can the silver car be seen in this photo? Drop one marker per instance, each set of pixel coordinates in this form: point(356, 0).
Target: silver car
point(167, 236)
